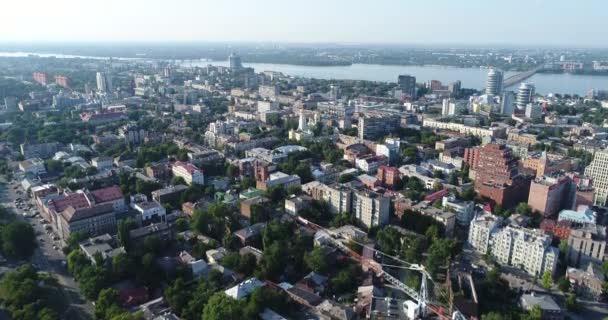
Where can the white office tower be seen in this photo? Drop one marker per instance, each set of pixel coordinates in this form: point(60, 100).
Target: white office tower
point(507, 103)
point(533, 111)
point(302, 123)
point(235, 61)
point(448, 107)
point(494, 82)
point(104, 82)
point(598, 170)
point(334, 92)
point(525, 95)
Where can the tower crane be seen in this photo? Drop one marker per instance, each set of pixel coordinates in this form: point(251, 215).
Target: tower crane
point(424, 306)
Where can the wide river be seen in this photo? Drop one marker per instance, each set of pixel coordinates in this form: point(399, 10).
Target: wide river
point(470, 77)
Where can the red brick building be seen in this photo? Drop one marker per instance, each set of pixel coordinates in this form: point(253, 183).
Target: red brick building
point(40, 77)
point(471, 157)
point(388, 176)
point(497, 176)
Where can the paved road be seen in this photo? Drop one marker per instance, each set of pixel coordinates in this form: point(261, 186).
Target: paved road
point(48, 257)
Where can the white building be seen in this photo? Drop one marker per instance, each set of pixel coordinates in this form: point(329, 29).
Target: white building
point(598, 170)
point(481, 230)
point(266, 106)
point(104, 82)
point(527, 249)
point(282, 179)
point(189, 172)
point(370, 208)
point(464, 209)
point(244, 289)
point(151, 211)
point(467, 130)
point(390, 149)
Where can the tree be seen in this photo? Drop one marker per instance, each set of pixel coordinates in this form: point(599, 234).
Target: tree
point(18, 239)
point(389, 240)
point(276, 194)
point(547, 280)
point(572, 303)
point(122, 265)
point(259, 213)
point(274, 260)
point(316, 260)
point(523, 209)
point(106, 305)
point(92, 280)
point(178, 180)
point(346, 178)
point(344, 281)
point(178, 295)
point(124, 226)
point(74, 240)
point(563, 284)
point(453, 178)
point(247, 264)
point(222, 307)
point(493, 316)
point(536, 313)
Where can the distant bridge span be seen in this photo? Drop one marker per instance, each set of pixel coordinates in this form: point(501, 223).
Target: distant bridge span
point(517, 78)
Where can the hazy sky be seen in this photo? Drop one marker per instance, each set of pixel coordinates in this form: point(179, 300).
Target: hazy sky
point(527, 22)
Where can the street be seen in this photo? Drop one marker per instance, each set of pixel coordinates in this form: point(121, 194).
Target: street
point(48, 257)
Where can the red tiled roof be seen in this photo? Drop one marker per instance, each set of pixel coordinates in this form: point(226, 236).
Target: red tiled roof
point(107, 194)
point(188, 166)
point(437, 195)
point(75, 200)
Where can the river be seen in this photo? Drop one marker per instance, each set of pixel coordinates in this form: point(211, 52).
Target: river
point(470, 77)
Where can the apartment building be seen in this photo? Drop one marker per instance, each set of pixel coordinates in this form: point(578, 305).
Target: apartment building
point(528, 249)
point(370, 208)
point(481, 230)
point(189, 172)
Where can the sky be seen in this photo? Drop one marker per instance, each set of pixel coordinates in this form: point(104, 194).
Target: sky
point(576, 23)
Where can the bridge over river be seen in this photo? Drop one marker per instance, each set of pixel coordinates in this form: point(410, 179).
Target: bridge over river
point(517, 78)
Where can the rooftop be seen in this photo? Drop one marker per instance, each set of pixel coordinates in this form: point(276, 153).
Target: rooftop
point(107, 194)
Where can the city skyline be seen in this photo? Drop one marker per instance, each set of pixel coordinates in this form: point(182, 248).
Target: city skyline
point(473, 22)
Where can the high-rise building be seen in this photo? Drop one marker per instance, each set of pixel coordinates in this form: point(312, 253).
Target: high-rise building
point(455, 87)
point(525, 95)
point(507, 103)
point(370, 208)
point(104, 82)
point(235, 61)
point(533, 111)
point(334, 92)
point(407, 84)
point(375, 126)
point(62, 81)
point(497, 177)
point(41, 78)
point(598, 171)
point(494, 82)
